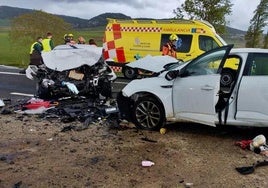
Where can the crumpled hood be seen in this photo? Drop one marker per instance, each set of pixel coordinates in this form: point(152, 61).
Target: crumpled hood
point(152, 63)
point(65, 57)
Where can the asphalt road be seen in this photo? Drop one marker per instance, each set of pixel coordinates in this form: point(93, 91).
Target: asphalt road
point(14, 85)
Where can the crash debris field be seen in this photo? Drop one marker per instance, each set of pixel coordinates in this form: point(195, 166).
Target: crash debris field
point(38, 152)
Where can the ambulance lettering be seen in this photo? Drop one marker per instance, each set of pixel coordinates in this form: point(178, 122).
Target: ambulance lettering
point(176, 30)
point(139, 44)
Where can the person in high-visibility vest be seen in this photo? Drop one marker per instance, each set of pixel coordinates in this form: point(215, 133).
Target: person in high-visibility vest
point(48, 44)
point(35, 52)
point(170, 47)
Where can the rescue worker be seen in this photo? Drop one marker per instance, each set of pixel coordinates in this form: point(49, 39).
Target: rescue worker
point(170, 48)
point(48, 44)
point(35, 52)
point(68, 39)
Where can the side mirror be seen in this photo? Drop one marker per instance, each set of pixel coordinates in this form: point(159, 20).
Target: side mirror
point(172, 75)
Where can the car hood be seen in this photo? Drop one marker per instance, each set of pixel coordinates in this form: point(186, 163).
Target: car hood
point(66, 57)
point(152, 63)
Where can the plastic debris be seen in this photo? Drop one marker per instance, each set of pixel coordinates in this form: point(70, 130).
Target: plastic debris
point(147, 163)
point(2, 103)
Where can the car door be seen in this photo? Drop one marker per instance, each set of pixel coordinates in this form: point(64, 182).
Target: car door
point(252, 99)
point(195, 92)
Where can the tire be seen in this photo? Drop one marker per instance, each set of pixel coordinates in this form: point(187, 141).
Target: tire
point(130, 73)
point(148, 114)
point(227, 77)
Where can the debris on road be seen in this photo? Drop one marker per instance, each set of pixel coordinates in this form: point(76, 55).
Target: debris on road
point(67, 110)
point(257, 145)
point(147, 163)
point(250, 169)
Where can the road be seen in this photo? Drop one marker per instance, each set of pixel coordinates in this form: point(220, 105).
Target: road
point(14, 85)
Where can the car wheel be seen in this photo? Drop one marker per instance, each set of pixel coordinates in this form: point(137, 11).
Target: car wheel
point(148, 113)
point(227, 77)
point(130, 73)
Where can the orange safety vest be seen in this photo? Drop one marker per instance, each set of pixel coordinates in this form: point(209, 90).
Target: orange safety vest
point(169, 50)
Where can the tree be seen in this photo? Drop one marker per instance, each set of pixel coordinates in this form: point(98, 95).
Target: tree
point(254, 33)
point(265, 42)
point(213, 11)
point(27, 27)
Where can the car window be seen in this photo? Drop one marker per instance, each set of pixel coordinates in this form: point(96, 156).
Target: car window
point(205, 65)
point(207, 43)
point(258, 64)
point(183, 44)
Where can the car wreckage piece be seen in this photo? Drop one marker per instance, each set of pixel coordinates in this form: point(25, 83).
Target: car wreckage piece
point(72, 70)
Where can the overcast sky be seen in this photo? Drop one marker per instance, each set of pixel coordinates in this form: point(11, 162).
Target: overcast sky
point(242, 10)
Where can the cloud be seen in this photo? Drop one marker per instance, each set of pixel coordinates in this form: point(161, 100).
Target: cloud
point(241, 17)
point(131, 3)
point(87, 9)
point(133, 8)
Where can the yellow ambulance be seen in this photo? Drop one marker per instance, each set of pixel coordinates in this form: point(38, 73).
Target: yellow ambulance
point(128, 40)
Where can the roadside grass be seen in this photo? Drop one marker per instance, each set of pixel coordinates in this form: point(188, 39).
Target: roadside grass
point(7, 57)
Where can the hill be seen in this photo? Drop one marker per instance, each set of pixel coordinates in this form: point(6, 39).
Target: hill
point(101, 20)
point(7, 13)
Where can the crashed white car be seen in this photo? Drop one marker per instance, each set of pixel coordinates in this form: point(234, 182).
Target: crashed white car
point(71, 70)
point(148, 66)
point(225, 86)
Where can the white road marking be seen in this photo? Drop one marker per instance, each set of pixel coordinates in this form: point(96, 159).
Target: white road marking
point(10, 67)
point(12, 73)
point(22, 94)
point(120, 82)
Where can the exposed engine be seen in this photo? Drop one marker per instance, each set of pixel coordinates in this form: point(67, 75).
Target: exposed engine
point(60, 76)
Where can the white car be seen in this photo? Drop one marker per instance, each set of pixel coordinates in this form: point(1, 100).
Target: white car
point(148, 66)
point(225, 86)
point(70, 70)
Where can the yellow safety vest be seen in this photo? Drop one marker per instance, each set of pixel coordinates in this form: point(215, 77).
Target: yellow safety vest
point(32, 47)
point(46, 45)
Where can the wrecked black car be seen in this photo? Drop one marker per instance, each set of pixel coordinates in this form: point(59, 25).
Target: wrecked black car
point(72, 70)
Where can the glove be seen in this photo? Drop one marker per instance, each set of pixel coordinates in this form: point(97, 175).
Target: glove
point(71, 87)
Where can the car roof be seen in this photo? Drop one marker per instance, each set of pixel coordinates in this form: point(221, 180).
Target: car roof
point(249, 50)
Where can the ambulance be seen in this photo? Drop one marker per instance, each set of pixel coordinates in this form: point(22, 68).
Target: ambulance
point(128, 40)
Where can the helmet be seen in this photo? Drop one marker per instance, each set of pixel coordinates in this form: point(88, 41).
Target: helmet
point(71, 35)
point(173, 37)
point(67, 38)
